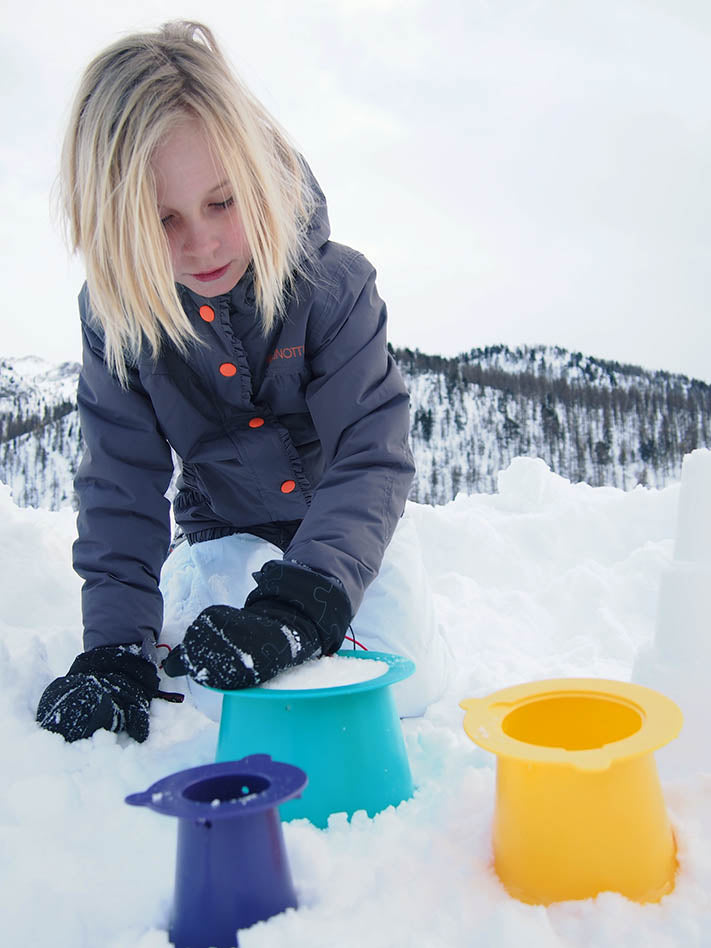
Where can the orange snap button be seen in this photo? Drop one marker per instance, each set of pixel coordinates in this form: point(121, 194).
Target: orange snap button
point(207, 313)
point(256, 422)
point(288, 486)
point(228, 369)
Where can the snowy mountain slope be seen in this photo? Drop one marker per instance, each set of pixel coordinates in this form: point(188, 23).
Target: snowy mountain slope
point(40, 439)
point(590, 420)
point(31, 387)
point(40, 464)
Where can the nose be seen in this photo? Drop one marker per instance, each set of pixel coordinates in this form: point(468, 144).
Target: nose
point(200, 238)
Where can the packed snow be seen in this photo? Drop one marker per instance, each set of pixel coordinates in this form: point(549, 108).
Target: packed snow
point(543, 579)
point(334, 673)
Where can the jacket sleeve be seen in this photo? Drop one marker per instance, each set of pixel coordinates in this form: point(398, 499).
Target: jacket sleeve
point(124, 520)
point(360, 409)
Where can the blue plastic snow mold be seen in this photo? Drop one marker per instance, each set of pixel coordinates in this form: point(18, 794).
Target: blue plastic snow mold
point(348, 739)
point(231, 868)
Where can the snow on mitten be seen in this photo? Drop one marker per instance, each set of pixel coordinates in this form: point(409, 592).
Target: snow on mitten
point(293, 615)
point(107, 687)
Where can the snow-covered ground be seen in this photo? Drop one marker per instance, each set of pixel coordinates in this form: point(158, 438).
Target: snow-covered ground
point(543, 579)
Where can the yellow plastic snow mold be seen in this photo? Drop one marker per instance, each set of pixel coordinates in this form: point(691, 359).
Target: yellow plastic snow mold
point(579, 807)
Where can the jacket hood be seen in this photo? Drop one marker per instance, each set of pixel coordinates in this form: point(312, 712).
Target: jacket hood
point(319, 228)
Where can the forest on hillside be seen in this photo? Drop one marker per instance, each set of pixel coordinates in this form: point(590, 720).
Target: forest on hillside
point(589, 419)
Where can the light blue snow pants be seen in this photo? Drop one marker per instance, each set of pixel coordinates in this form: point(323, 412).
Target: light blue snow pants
point(397, 613)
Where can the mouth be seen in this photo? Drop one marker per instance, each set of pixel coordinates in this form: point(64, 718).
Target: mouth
point(211, 274)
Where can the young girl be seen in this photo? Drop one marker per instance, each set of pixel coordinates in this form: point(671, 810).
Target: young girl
point(222, 328)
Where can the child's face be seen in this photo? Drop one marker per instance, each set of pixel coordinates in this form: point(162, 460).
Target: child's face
point(203, 226)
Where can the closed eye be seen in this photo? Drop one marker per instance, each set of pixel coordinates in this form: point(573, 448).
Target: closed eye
point(220, 205)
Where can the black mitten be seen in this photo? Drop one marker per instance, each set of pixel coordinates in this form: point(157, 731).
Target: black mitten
point(107, 687)
point(294, 614)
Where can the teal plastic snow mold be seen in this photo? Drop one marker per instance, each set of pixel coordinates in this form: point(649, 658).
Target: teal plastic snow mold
point(348, 739)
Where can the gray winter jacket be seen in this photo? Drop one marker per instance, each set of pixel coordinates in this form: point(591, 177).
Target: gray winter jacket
point(300, 437)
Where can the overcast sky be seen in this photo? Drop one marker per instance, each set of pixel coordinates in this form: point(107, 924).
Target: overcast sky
point(518, 172)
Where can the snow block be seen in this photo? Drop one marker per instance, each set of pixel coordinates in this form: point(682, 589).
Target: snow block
point(678, 661)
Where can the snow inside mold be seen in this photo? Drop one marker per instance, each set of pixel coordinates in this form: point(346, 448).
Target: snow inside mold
point(331, 672)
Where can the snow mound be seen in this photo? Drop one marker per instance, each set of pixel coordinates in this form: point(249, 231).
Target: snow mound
point(543, 579)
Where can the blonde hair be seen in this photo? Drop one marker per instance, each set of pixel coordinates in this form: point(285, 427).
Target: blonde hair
point(131, 96)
